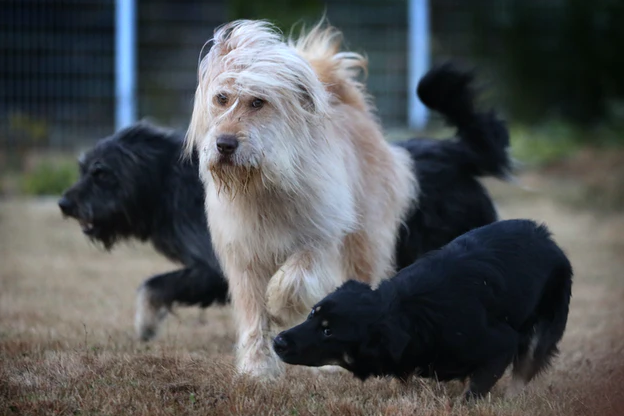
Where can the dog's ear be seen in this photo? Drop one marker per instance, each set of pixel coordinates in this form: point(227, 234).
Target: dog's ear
point(386, 337)
point(396, 343)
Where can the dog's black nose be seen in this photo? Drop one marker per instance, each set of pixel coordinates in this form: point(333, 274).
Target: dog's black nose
point(280, 345)
point(65, 205)
point(227, 144)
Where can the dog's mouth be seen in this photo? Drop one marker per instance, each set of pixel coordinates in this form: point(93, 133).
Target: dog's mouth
point(88, 228)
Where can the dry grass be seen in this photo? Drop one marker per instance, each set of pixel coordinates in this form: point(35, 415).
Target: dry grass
point(67, 346)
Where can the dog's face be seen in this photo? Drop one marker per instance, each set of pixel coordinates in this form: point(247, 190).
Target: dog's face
point(112, 186)
point(256, 107)
point(347, 327)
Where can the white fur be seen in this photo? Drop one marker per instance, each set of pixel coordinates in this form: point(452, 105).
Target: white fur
point(147, 315)
point(312, 196)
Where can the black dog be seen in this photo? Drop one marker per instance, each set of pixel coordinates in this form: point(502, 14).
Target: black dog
point(496, 295)
point(451, 200)
point(135, 185)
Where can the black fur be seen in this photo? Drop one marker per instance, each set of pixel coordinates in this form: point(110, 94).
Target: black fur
point(452, 200)
point(134, 184)
point(469, 309)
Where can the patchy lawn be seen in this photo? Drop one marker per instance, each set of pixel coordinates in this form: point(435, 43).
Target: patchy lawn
point(67, 344)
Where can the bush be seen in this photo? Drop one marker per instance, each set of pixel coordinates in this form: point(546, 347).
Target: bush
point(539, 145)
point(49, 178)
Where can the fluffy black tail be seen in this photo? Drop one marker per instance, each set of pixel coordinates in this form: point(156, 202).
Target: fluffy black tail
point(539, 347)
point(484, 138)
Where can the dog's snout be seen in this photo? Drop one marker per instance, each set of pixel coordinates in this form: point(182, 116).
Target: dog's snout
point(227, 144)
point(65, 205)
point(280, 344)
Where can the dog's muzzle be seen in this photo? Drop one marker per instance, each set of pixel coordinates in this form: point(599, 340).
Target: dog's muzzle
point(281, 345)
point(66, 206)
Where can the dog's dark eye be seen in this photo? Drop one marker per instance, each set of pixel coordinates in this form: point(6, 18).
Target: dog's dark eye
point(327, 332)
point(222, 99)
point(257, 103)
point(98, 173)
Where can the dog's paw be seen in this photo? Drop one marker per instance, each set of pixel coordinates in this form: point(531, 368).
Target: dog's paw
point(327, 370)
point(515, 388)
point(201, 316)
point(148, 314)
point(260, 366)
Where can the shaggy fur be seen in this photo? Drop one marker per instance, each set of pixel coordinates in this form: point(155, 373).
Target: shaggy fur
point(133, 185)
point(496, 295)
point(452, 201)
point(302, 190)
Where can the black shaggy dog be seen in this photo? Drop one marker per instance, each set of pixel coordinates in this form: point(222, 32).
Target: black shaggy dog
point(134, 184)
point(496, 295)
point(451, 199)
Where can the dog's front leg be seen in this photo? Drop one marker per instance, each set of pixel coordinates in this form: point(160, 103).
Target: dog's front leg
point(255, 355)
point(305, 278)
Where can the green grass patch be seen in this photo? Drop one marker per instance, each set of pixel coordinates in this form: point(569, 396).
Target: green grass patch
point(539, 145)
point(49, 177)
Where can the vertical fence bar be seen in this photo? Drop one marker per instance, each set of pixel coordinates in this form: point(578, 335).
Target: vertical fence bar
point(125, 67)
point(418, 44)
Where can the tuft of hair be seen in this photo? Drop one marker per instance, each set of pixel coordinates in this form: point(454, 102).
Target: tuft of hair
point(248, 54)
point(251, 56)
point(451, 92)
point(338, 71)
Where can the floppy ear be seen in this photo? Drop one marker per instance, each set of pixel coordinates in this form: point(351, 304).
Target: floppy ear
point(388, 337)
point(396, 342)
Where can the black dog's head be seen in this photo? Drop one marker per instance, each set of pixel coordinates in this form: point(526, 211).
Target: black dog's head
point(351, 327)
point(119, 182)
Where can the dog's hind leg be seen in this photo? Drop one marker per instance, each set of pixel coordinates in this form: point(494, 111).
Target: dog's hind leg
point(501, 346)
point(198, 285)
point(304, 279)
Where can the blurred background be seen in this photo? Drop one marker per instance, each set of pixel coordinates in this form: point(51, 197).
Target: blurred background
point(73, 71)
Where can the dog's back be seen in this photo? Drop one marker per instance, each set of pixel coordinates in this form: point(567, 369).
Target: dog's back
point(385, 185)
point(491, 265)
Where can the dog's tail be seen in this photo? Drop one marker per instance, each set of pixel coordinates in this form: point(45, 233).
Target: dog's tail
point(338, 71)
point(536, 353)
point(484, 138)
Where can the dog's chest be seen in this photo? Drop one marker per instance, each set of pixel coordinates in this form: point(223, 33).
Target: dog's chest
point(265, 231)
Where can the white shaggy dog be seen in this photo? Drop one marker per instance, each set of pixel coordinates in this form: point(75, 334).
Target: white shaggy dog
point(302, 190)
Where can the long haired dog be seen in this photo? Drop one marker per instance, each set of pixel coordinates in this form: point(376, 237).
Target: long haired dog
point(494, 296)
point(302, 190)
point(134, 185)
point(451, 200)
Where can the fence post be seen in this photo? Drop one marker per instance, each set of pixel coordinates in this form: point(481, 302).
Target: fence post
point(418, 55)
point(125, 59)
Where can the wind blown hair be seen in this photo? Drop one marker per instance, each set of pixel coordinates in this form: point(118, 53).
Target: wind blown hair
point(302, 190)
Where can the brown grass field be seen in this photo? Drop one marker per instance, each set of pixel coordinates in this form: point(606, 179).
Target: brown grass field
point(67, 344)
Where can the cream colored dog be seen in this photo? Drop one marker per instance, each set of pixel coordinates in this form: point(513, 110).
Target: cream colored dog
point(302, 190)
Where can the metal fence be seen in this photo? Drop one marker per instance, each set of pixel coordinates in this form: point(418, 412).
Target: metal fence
point(56, 78)
point(57, 67)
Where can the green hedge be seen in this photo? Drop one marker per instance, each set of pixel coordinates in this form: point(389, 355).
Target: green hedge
point(49, 178)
